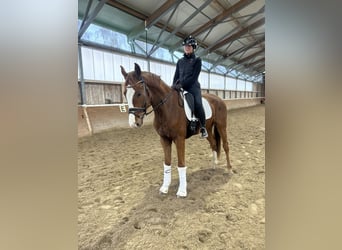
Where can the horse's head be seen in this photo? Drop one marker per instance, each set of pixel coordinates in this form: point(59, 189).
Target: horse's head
point(136, 93)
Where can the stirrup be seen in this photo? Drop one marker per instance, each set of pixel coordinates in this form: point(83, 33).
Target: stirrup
point(204, 133)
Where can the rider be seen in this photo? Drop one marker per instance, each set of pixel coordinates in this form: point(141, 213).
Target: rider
point(186, 76)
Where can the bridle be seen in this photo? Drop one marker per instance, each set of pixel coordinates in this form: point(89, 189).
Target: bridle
point(135, 110)
point(143, 109)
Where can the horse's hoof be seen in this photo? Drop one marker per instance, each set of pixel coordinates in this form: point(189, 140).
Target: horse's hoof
point(231, 172)
point(163, 190)
point(180, 196)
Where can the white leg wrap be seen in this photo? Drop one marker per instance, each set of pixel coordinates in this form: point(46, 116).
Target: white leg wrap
point(182, 182)
point(167, 179)
point(215, 160)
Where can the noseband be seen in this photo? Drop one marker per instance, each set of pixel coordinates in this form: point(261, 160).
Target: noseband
point(143, 109)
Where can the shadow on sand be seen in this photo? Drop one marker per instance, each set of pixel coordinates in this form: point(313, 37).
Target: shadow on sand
point(158, 213)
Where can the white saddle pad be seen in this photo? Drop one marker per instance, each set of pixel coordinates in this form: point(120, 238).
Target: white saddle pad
point(206, 107)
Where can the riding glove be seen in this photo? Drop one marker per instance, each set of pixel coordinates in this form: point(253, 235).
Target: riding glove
point(177, 85)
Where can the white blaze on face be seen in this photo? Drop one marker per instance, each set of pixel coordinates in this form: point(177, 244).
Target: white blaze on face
point(129, 95)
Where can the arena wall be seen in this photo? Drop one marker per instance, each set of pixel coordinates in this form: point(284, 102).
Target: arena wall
point(97, 118)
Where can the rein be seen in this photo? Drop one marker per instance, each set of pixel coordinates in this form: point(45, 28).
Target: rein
point(159, 104)
point(143, 109)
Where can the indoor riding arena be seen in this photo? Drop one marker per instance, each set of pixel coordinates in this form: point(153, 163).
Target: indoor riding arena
point(120, 168)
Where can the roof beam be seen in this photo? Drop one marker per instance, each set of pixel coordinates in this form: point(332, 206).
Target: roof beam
point(240, 62)
point(256, 62)
point(210, 28)
point(155, 44)
point(198, 10)
point(140, 16)
point(261, 67)
point(238, 51)
point(247, 58)
point(226, 36)
point(153, 18)
point(90, 2)
point(161, 11)
point(216, 20)
point(126, 9)
point(91, 18)
point(237, 35)
point(251, 70)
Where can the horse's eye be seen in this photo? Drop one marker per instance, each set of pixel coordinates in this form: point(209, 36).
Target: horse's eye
point(138, 94)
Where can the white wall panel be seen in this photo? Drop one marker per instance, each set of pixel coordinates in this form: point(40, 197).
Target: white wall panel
point(108, 66)
point(125, 62)
point(216, 81)
point(163, 74)
point(240, 85)
point(117, 61)
point(142, 63)
point(167, 73)
point(120, 60)
point(88, 63)
point(128, 63)
point(249, 86)
point(155, 68)
point(98, 65)
point(170, 72)
point(161, 71)
point(230, 83)
point(203, 79)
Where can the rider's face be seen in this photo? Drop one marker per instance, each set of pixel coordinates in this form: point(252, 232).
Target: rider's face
point(188, 49)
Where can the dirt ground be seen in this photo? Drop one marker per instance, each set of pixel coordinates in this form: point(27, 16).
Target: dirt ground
point(120, 172)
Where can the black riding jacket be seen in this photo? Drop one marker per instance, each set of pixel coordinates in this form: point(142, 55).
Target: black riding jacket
point(187, 71)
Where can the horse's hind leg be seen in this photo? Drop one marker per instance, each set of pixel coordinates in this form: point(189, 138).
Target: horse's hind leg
point(166, 144)
point(222, 129)
point(213, 146)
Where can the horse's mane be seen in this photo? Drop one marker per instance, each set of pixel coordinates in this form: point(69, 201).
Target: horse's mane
point(155, 80)
point(151, 79)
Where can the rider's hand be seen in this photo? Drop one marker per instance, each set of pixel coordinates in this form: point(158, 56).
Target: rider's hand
point(177, 86)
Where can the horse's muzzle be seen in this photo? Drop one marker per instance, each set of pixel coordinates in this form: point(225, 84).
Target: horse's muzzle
point(135, 121)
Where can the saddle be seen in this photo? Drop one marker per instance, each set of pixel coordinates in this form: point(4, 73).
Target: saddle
point(189, 108)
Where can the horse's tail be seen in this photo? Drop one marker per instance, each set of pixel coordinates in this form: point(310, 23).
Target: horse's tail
point(218, 141)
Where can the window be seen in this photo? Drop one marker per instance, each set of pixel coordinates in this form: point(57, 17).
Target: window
point(107, 37)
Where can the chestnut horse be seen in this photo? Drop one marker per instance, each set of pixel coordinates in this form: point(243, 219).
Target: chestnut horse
point(143, 90)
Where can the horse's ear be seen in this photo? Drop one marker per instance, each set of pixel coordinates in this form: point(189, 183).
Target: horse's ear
point(123, 72)
point(137, 70)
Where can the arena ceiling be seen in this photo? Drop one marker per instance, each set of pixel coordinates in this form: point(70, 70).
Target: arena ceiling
point(230, 33)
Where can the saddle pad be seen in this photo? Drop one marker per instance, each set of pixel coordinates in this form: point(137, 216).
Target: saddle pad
point(206, 107)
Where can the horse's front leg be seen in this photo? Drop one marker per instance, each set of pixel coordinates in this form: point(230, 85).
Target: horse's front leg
point(166, 144)
point(180, 145)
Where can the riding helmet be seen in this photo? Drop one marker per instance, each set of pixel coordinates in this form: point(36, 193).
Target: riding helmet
point(190, 41)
